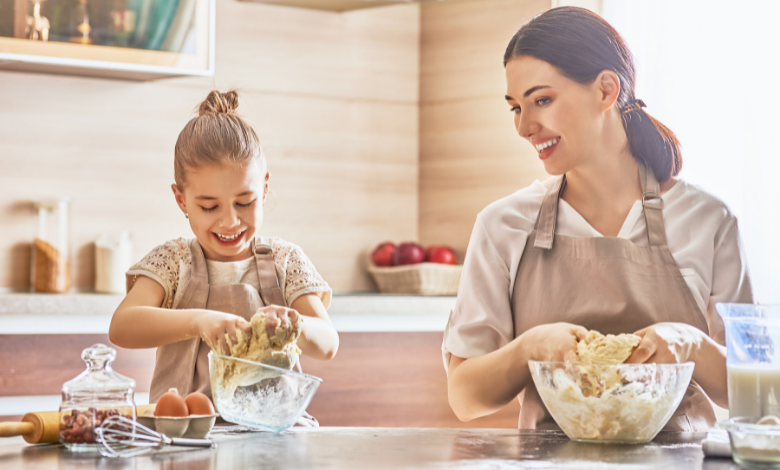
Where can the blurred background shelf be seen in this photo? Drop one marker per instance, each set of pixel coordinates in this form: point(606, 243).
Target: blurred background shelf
point(136, 40)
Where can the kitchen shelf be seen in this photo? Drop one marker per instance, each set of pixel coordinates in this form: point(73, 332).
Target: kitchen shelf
point(187, 48)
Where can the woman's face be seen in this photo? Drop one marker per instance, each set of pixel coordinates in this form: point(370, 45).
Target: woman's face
point(561, 118)
point(224, 204)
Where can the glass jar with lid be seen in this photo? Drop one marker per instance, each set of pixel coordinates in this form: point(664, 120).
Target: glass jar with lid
point(93, 396)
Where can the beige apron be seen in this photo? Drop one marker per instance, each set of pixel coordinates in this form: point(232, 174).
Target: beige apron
point(606, 284)
point(185, 365)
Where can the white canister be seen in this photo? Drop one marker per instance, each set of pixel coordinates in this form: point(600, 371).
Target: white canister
point(113, 257)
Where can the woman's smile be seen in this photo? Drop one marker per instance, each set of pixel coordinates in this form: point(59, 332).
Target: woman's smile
point(545, 146)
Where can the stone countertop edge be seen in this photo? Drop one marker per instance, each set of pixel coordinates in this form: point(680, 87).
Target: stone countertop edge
point(83, 313)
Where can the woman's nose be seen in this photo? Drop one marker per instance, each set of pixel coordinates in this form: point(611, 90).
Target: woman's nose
point(526, 126)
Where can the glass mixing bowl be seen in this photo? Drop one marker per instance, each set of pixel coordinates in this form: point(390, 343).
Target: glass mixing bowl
point(258, 395)
point(624, 403)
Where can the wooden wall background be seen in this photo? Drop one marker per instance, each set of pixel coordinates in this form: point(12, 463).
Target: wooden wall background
point(470, 153)
point(333, 96)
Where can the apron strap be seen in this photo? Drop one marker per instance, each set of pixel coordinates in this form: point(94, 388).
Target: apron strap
point(196, 295)
point(652, 206)
point(270, 292)
point(548, 214)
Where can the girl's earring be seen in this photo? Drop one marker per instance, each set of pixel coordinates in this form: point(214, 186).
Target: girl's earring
point(186, 216)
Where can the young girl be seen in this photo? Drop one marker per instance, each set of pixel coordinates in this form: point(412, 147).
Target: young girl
point(186, 295)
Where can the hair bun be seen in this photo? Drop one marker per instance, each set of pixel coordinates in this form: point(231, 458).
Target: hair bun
point(219, 103)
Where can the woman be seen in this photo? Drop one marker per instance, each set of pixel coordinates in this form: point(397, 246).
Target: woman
point(613, 242)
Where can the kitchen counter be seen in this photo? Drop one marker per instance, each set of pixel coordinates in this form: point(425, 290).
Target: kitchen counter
point(380, 448)
point(24, 313)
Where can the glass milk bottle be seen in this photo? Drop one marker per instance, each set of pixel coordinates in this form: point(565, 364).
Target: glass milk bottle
point(51, 253)
point(752, 358)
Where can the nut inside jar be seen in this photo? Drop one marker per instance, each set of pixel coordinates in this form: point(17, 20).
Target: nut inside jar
point(78, 426)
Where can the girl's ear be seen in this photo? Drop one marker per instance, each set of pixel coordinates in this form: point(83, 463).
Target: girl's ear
point(179, 198)
point(609, 88)
point(265, 186)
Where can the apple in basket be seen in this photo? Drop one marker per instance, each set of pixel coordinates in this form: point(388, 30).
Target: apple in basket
point(441, 255)
point(409, 253)
point(384, 254)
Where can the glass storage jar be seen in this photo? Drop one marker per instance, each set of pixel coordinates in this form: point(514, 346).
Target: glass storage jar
point(51, 248)
point(94, 395)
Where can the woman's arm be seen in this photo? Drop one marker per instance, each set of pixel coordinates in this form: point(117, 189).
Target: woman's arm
point(139, 322)
point(318, 336)
point(483, 385)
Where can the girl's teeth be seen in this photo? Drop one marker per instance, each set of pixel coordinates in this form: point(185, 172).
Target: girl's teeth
point(227, 239)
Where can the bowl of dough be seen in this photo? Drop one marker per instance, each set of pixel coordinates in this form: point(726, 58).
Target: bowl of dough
point(598, 398)
point(255, 386)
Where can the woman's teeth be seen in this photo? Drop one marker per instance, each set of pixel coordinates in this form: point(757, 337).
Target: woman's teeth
point(228, 238)
point(549, 143)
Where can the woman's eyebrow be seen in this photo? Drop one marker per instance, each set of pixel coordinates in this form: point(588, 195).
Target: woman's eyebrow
point(533, 89)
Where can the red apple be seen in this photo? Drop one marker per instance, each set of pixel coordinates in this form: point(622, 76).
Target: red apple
point(441, 255)
point(384, 254)
point(409, 253)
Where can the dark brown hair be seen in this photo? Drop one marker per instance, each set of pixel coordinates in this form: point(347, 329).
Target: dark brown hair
point(580, 44)
point(216, 135)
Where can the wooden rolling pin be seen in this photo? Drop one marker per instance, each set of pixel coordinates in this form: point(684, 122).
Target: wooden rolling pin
point(43, 427)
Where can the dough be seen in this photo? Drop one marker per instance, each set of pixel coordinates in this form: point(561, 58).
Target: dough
point(280, 350)
point(598, 349)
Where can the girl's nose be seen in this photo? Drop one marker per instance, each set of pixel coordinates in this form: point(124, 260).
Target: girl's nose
point(230, 219)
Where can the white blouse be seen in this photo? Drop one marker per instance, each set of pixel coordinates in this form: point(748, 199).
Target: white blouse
point(701, 234)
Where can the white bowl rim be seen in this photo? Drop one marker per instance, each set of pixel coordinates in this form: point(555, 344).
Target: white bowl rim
point(287, 371)
point(685, 364)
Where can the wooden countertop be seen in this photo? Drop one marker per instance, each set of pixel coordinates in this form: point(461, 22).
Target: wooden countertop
point(380, 448)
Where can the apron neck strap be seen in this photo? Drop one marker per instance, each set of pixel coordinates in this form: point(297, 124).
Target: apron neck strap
point(270, 292)
point(548, 214)
point(200, 271)
point(652, 206)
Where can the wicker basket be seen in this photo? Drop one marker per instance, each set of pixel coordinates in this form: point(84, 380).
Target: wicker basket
point(422, 278)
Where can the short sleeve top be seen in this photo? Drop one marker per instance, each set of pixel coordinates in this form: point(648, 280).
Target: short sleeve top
point(702, 236)
point(170, 265)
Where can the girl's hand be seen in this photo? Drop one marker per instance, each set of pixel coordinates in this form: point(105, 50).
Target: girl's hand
point(281, 323)
point(213, 326)
point(667, 343)
point(556, 342)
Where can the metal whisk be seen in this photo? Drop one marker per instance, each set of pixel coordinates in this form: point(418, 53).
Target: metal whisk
point(120, 436)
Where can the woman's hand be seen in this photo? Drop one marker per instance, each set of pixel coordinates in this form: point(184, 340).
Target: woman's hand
point(213, 327)
point(555, 342)
point(281, 323)
point(667, 343)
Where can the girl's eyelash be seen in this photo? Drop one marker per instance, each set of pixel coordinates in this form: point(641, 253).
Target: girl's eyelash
point(514, 109)
point(208, 209)
point(247, 204)
point(546, 100)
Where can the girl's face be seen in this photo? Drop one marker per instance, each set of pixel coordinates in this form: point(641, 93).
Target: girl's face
point(224, 203)
point(561, 118)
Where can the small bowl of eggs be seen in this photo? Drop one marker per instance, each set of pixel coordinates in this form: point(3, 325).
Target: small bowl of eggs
point(177, 416)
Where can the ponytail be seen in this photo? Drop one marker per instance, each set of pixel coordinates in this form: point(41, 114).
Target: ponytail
point(580, 44)
point(653, 144)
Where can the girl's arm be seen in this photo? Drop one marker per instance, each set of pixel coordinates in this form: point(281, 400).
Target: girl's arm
point(318, 336)
point(483, 385)
point(139, 322)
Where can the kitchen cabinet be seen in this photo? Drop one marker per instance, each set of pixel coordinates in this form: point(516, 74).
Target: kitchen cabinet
point(116, 39)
